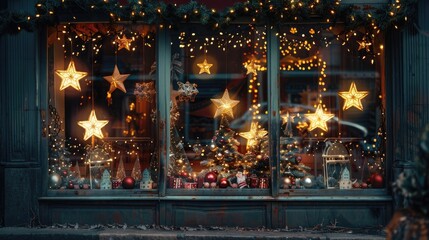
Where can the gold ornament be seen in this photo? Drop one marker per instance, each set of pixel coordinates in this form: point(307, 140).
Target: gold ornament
point(70, 77)
point(124, 42)
point(353, 98)
point(287, 118)
point(253, 134)
point(93, 126)
point(252, 67)
point(116, 80)
point(311, 31)
point(224, 105)
point(318, 119)
point(204, 67)
point(293, 30)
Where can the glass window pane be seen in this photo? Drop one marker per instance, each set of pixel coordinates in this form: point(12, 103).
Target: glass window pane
point(102, 104)
point(332, 111)
point(219, 129)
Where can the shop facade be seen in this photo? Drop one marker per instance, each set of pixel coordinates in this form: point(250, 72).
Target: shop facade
point(272, 118)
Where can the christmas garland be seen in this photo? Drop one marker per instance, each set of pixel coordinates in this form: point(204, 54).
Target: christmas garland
point(50, 12)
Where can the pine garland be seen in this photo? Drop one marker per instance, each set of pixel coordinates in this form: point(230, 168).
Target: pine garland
point(51, 12)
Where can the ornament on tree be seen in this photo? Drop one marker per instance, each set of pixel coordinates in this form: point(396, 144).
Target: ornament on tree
point(223, 183)
point(204, 67)
point(136, 172)
point(187, 91)
point(128, 183)
point(70, 77)
point(224, 105)
point(145, 91)
point(55, 181)
point(93, 126)
point(376, 180)
point(210, 177)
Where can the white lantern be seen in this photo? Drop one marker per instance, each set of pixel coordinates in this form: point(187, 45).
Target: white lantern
point(336, 160)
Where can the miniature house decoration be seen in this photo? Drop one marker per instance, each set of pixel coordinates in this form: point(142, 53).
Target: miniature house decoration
point(106, 184)
point(345, 182)
point(98, 160)
point(146, 182)
point(336, 160)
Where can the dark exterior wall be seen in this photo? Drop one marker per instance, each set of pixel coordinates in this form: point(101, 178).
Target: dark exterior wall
point(407, 64)
point(19, 134)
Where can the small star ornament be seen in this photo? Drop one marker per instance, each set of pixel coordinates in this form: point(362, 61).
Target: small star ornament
point(252, 67)
point(255, 133)
point(224, 105)
point(318, 119)
point(93, 126)
point(353, 98)
point(124, 42)
point(364, 45)
point(116, 80)
point(204, 67)
point(70, 77)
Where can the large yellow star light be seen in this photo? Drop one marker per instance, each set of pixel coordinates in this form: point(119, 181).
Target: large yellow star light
point(93, 126)
point(116, 80)
point(224, 105)
point(70, 77)
point(318, 119)
point(252, 67)
point(253, 134)
point(204, 67)
point(124, 42)
point(353, 98)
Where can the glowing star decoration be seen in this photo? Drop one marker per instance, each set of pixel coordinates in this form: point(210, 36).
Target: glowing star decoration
point(116, 80)
point(204, 67)
point(252, 67)
point(318, 119)
point(253, 134)
point(224, 105)
point(293, 30)
point(353, 98)
point(93, 126)
point(70, 77)
point(124, 42)
point(364, 45)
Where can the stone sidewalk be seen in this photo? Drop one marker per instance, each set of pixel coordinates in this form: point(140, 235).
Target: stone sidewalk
point(16, 233)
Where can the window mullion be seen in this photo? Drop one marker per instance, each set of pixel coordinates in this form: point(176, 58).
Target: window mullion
point(273, 107)
point(163, 56)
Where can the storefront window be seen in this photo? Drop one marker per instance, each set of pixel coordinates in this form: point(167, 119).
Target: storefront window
point(331, 108)
point(219, 129)
point(102, 105)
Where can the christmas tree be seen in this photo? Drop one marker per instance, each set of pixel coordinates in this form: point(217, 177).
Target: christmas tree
point(256, 159)
point(120, 173)
point(179, 163)
point(223, 155)
point(59, 162)
point(136, 173)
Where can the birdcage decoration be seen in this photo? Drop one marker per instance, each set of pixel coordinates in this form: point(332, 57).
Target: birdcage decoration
point(336, 161)
point(98, 160)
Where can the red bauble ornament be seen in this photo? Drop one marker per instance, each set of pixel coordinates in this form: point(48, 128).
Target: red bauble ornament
point(223, 183)
point(70, 185)
point(376, 180)
point(184, 174)
point(210, 177)
point(128, 183)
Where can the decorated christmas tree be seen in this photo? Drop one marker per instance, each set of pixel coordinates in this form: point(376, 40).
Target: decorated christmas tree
point(223, 155)
point(179, 163)
point(256, 159)
point(120, 173)
point(59, 162)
